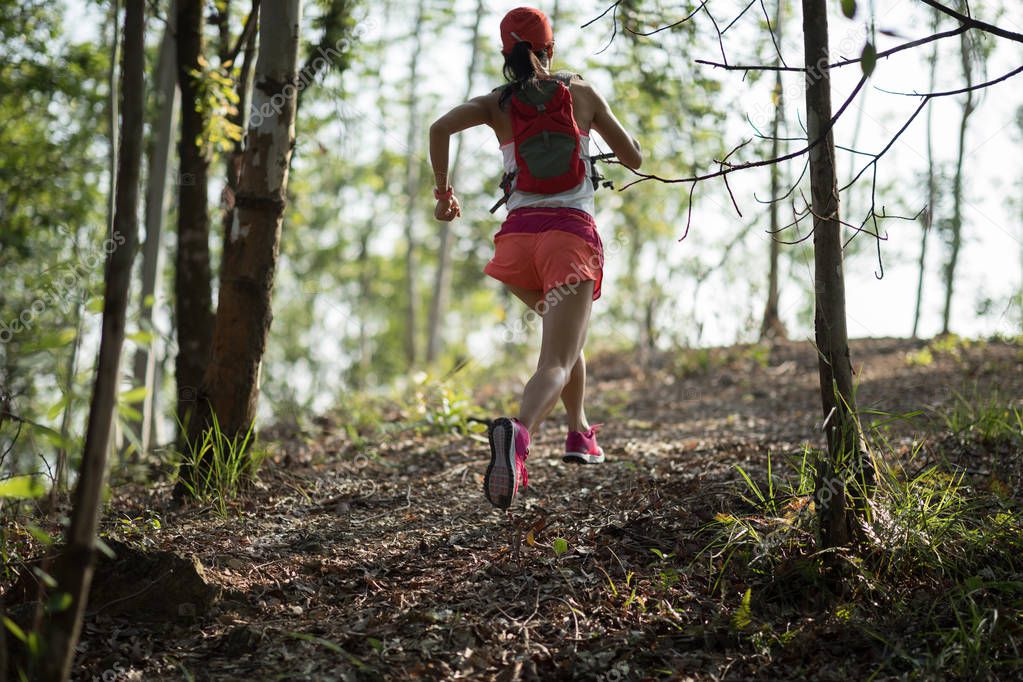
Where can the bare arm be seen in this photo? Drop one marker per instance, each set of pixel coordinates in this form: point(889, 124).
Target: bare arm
point(473, 113)
point(625, 147)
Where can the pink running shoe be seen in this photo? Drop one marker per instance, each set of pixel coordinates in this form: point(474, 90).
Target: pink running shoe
point(582, 448)
point(509, 447)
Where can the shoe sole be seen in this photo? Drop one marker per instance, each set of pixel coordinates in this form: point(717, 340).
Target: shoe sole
point(499, 481)
point(583, 457)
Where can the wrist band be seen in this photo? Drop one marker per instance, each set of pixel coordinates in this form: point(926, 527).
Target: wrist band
point(447, 194)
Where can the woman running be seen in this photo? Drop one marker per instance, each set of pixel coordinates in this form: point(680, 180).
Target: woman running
point(547, 252)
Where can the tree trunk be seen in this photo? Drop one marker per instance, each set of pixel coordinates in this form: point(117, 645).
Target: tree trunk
point(246, 284)
point(61, 474)
point(115, 43)
point(442, 282)
point(957, 187)
point(74, 569)
point(233, 159)
point(772, 326)
point(835, 368)
point(412, 165)
point(193, 316)
point(365, 362)
point(161, 141)
point(927, 218)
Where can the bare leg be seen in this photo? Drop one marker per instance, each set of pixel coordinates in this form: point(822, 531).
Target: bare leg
point(574, 394)
point(565, 319)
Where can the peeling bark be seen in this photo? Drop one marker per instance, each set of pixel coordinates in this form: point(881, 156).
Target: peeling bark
point(231, 382)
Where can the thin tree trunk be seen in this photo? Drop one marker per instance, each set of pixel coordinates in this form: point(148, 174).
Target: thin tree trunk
point(365, 293)
point(927, 218)
point(957, 187)
point(61, 473)
point(835, 368)
point(75, 566)
point(157, 204)
point(115, 43)
point(233, 159)
point(192, 289)
point(412, 164)
point(246, 284)
point(772, 326)
point(442, 281)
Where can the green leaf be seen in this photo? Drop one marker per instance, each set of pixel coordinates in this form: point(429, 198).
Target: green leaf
point(95, 304)
point(22, 488)
point(15, 629)
point(57, 408)
point(743, 617)
point(129, 412)
point(141, 338)
point(868, 60)
point(49, 341)
point(56, 440)
point(849, 8)
point(58, 602)
point(104, 548)
point(39, 534)
point(135, 395)
point(560, 546)
point(45, 578)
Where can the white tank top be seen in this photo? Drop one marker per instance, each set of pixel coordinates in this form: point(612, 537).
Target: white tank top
point(579, 197)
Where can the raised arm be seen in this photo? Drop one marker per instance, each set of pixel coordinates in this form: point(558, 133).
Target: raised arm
point(473, 113)
point(625, 147)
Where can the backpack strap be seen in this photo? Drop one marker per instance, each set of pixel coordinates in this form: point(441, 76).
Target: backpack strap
point(565, 77)
point(506, 186)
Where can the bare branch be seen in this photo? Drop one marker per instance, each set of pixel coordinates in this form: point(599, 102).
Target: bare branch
point(602, 14)
point(770, 29)
point(662, 28)
point(643, 177)
point(839, 64)
point(975, 23)
point(947, 93)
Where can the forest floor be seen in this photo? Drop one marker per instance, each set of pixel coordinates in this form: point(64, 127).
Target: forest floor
point(375, 556)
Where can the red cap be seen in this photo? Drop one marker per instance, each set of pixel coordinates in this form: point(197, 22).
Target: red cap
point(525, 24)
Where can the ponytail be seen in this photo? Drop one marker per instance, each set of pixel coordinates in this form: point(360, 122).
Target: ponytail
point(522, 67)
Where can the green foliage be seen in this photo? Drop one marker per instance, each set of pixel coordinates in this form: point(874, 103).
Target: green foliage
point(443, 406)
point(936, 552)
point(743, 616)
point(868, 58)
point(223, 464)
point(988, 419)
point(22, 488)
point(52, 221)
point(217, 100)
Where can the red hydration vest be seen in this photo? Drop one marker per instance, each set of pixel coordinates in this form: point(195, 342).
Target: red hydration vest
point(548, 151)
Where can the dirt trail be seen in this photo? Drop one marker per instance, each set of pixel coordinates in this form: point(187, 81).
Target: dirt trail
point(382, 560)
